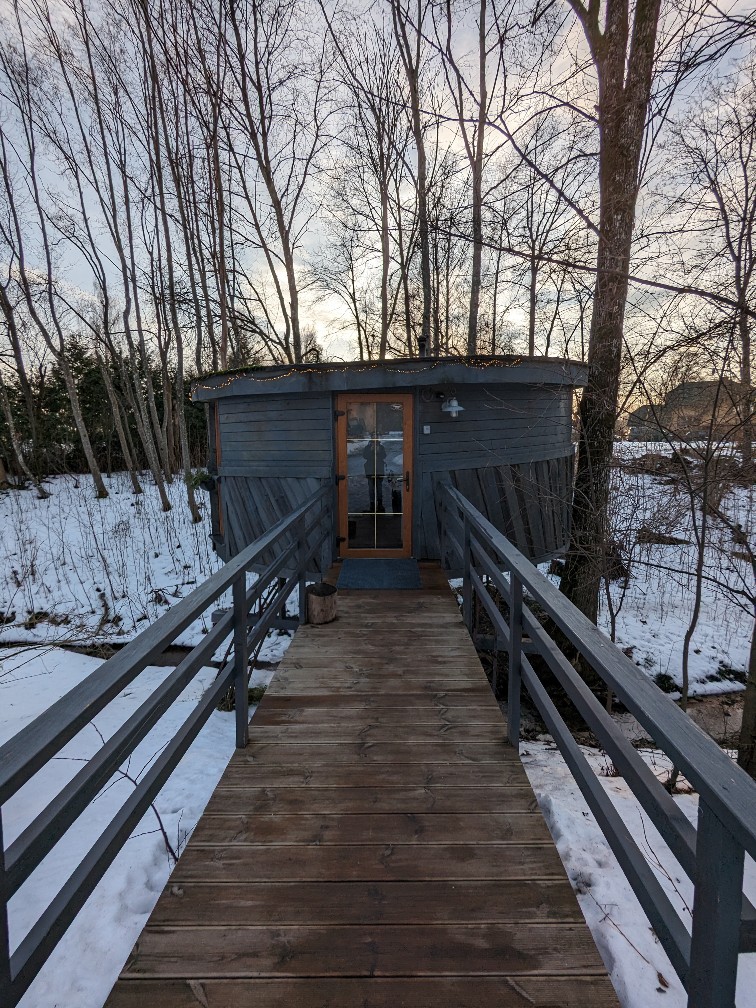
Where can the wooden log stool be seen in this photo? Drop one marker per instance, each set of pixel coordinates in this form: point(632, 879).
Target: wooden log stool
point(321, 603)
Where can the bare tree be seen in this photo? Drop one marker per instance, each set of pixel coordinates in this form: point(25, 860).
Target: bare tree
point(275, 118)
point(621, 42)
point(89, 130)
point(37, 285)
point(474, 93)
point(374, 144)
point(409, 22)
point(715, 150)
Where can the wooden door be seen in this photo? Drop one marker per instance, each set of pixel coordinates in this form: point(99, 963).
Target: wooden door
point(375, 477)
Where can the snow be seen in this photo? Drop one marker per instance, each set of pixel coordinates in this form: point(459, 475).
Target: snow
point(639, 968)
point(100, 571)
point(97, 570)
point(86, 963)
point(77, 571)
point(653, 609)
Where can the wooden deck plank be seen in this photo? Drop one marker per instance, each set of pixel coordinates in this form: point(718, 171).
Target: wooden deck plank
point(384, 657)
point(376, 844)
point(385, 950)
point(443, 751)
point(378, 775)
point(360, 800)
point(367, 903)
point(332, 667)
point(390, 685)
point(377, 733)
point(367, 863)
point(325, 717)
point(376, 992)
point(441, 700)
point(369, 828)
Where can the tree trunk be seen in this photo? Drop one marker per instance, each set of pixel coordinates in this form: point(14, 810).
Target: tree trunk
point(23, 380)
point(477, 189)
point(120, 431)
point(532, 301)
point(160, 131)
point(623, 107)
point(385, 269)
point(581, 579)
point(16, 443)
point(139, 409)
point(747, 746)
point(411, 61)
point(404, 272)
point(100, 488)
point(745, 381)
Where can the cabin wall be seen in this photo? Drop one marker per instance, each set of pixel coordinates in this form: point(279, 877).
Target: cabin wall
point(499, 424)
point(273, 453)
point(273, 436)
point(253, 504)
point(510, 453)
point(528, 502)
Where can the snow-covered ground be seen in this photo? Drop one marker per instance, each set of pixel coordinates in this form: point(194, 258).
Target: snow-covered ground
point(640, 970)
point(84, 966)
point(78, 570)
point(74, 570)
point(654, 608)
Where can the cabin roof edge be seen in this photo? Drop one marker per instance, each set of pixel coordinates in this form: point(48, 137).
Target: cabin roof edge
point(398, 373)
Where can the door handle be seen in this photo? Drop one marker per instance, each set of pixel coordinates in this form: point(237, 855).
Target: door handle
point(407, 480)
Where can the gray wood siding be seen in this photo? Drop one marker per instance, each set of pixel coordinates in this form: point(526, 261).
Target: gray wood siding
point(501, 423)
point(529, 502)
point(252, 505)
point(273, 437)
point(509, 452)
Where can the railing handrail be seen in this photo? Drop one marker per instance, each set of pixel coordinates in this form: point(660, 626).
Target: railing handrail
point(298, 538)
point(24, 754)
point(723, 921)
point(726, 787)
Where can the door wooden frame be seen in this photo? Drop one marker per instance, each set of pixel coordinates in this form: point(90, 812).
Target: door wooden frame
point(408, 429)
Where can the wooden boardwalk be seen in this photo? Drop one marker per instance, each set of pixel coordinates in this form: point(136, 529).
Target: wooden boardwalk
point(376, 845)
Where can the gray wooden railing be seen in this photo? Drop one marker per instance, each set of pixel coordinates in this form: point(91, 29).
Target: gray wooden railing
point(294, 541)
point(723, 921)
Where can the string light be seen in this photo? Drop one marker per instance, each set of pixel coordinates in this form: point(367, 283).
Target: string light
point(479, 364)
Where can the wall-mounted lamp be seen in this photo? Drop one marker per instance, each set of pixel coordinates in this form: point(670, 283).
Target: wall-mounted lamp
point(449, 403)
point(452, 407)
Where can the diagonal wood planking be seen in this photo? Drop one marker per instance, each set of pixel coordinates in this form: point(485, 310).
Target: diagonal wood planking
point(377, 844)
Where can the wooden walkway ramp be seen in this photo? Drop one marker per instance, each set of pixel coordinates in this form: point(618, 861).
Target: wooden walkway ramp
point(376, 845)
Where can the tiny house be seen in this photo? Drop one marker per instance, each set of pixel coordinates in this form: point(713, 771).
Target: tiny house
point(383, 435)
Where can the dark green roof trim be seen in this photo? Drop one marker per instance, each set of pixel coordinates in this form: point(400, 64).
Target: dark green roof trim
point(397, 374)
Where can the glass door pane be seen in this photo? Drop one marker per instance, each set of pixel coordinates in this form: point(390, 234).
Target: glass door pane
point(375, 475)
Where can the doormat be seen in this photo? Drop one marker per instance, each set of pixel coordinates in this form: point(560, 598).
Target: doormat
point(380, 574)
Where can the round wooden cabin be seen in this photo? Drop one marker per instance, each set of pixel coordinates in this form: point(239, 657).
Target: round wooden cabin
point(383, 435)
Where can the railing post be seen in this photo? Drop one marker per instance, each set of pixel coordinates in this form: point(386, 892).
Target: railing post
point(466, 579)
point(241, 661)
point(717, 906)
point(301, 562)
point(5, 970)
point(515, 654)
point(441, 511)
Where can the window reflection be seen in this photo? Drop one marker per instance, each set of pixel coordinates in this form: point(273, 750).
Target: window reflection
point(375, 474)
